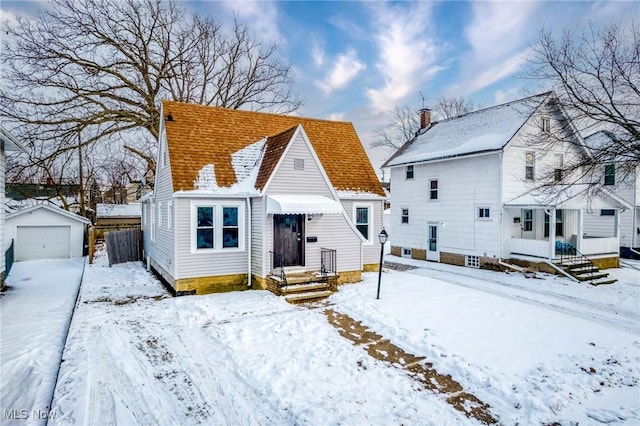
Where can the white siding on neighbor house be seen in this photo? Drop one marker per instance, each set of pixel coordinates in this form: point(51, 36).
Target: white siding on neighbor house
point(528, 139)
point(370, 251)
point(333, 230)
point(464, 185)
point(42, 217)
point(162, 248)
point(203, 263)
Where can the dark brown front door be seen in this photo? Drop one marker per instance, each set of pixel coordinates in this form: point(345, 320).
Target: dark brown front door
point(288, 238)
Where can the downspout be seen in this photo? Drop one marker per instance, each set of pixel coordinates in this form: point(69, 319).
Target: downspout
point(249, 242)
point(634, 214)
point(501, 204)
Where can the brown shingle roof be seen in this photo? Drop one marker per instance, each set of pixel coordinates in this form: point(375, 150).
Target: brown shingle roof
point(199, 135)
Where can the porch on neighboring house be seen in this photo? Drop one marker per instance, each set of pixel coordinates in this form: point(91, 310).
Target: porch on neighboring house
point(552, 230)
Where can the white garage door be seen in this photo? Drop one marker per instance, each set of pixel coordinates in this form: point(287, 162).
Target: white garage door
point(43, 242)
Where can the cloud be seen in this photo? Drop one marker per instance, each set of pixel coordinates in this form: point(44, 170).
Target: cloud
point(498, 38)
point(345, 68)
point(317, 54)
point(408, 54)
point(261, 16)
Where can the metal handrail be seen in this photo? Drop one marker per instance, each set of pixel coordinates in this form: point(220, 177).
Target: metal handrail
point(571, 254)
point(277, 261)
point(328, 262)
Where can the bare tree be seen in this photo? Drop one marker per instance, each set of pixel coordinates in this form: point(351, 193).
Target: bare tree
point(405, 122)
point(595, 75)
point(101, 67)
point(453, 107)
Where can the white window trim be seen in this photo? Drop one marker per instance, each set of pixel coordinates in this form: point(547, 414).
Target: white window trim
point(217, 226)
point(160, 213)
point(547, 128)
point(408, 216)
point(483, 219)
point(413, 172)
point(170, 214)
point(369, 216)
point(429, 199)
point(533, 166)
point(152, 221)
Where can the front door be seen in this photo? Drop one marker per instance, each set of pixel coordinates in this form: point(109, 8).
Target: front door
point(288, 238)
point(432, 249)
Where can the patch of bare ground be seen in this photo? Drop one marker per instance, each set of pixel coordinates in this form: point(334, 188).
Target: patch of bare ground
point(382, 349)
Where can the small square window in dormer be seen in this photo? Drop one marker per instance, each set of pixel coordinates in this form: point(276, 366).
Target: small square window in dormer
point(298, 163)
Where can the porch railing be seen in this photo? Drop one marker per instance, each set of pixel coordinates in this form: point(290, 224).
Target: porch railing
point(277, 267)
point(538, 248)
point(571, 256)
point(328, 262)
point(597, 245)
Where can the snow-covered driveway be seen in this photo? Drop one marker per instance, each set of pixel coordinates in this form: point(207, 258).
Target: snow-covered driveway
point(35, 310)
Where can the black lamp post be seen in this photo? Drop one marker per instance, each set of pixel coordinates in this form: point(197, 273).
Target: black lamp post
point(382, 236)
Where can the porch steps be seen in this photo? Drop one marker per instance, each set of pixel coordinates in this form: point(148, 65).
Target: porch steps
point(304, 287)
point(584, 270)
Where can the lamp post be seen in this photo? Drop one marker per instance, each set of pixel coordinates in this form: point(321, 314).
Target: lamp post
point(382, 236)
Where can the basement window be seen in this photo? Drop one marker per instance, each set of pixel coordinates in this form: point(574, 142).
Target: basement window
point(472, 261)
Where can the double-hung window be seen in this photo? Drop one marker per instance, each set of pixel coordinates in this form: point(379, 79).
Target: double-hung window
point(409, 172)
point(433, 189)
point(205, 227)
point(230, 229)
point(610, 174)
point(527, 220)
point(529, 167)
point(545, 124)
point(363, 221)
point(404, 219)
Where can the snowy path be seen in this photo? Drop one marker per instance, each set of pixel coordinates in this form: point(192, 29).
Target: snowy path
point(35, 311)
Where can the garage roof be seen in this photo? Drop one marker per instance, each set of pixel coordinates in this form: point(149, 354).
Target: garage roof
point(51, 209)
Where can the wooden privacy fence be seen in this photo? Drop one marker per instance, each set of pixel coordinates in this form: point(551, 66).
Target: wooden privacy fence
point(124, 246)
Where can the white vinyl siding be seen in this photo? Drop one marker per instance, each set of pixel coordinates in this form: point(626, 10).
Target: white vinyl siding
point(370, 252)
point(463, 184)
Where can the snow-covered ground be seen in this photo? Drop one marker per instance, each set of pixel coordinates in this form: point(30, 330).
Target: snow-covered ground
point(35, 313)
point(537, 351)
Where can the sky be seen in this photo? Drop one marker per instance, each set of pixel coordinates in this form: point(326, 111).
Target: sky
point(357, 60)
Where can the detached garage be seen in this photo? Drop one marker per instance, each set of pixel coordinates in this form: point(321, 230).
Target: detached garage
point(44, 232)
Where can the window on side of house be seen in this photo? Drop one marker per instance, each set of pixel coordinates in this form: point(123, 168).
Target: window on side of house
point(230, 228)
point(152, 221)
point(559, 223)
point(607, 212)
point(527, 220)
point(409, 172)
point(529, 168)
point(404, 219)
point(160, 207)
point(433, 189)
point(169, 214)
point(545, 124)
point(610, 174)
point(205, 227)
point(557, 172)
point(484, 213)
point(362, 214)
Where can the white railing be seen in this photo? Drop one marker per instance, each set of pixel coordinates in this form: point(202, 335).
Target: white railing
point(599, 245)
point(538, 248)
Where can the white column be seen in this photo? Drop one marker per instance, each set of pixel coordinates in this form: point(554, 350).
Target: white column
point(580, 230)
point(552, 233)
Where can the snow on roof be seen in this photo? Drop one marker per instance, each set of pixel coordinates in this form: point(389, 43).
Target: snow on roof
point(485, 130)
point(362, 195)
point(118, 210)
point(246, 165)
point(567, 196)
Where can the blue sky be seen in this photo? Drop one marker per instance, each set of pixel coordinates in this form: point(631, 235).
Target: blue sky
point(356, 60)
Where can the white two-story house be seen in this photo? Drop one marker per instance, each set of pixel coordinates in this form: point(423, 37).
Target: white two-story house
point(467, 190)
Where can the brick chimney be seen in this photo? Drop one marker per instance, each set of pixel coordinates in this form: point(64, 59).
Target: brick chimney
point(425, 118)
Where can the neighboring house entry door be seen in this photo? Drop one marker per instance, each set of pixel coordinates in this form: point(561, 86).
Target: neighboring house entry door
point(288, 238)
point(432, 250)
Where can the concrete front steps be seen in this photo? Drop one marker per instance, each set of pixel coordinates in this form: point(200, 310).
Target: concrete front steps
point(585, 271)
point(303, 287)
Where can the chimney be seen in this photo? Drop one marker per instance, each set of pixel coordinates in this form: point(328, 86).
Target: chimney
point(425, 118)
